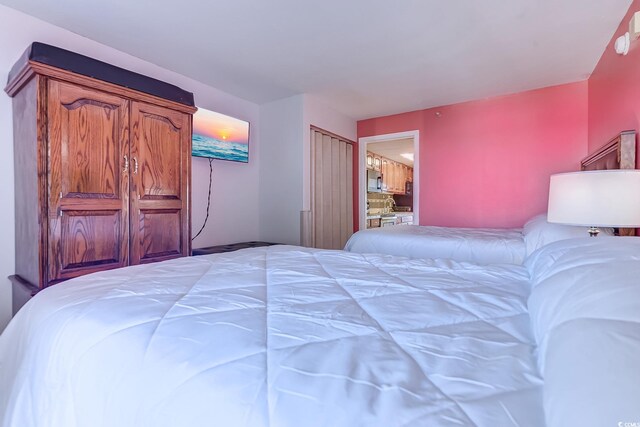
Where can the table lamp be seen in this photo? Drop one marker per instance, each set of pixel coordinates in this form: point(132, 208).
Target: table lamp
point(607, 198)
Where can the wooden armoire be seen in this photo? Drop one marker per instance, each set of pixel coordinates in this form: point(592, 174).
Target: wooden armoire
point(102, 160)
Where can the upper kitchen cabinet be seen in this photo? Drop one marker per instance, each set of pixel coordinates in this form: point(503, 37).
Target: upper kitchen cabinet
point(384, 169)
point(377, 163)
point(394, 174)
point(102, 167)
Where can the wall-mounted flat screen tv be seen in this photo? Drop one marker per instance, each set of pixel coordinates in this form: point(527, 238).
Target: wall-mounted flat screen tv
point(217, 136)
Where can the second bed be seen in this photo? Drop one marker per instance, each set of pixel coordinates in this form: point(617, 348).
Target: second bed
point(478, 245)
point(491, 245)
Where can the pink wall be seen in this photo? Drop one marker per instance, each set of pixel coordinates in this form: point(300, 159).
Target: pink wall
point(487, 163)
point(614, 90)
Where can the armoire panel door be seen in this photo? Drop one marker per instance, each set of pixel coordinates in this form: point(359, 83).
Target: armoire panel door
point(160, 155)
point(89, 182)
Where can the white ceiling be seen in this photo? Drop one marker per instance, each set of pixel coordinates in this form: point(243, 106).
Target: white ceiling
point(393, 148)
point(364, 58)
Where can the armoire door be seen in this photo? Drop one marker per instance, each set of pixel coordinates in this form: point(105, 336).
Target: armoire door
point(159, 208)
point(89, 183)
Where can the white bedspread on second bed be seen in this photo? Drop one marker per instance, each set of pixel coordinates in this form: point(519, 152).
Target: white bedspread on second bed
point(278, 336)
point(479, 245)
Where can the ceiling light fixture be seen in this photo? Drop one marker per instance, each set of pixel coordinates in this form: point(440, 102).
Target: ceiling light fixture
point(408, 156)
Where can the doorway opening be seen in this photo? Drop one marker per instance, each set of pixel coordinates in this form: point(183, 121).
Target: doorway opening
point(388, 184)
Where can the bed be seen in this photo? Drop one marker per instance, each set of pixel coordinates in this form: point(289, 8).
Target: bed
point(289, 336)
point(585, 316)
point(486, 245)
point(276, 336)
point(479, 245)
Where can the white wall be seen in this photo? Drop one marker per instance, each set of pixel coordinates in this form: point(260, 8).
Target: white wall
point(234, 210)
point(281, 155)
point(7, 218)
point(318, 114)
point(285, 176)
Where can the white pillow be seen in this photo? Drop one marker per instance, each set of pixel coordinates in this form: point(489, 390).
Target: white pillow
point(538, 232)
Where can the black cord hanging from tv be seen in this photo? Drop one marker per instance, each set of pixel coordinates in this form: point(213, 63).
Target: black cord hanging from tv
point(208, 199)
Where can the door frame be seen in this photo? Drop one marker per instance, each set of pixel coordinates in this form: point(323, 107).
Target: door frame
point(362, 172)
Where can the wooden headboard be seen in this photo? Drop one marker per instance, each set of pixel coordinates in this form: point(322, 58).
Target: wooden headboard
point(619, 153)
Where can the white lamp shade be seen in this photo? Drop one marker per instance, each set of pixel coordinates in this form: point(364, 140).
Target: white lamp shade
point(609, 198)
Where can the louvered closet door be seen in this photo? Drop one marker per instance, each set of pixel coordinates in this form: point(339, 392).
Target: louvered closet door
point(332, 190)
point(88, 194)
point(160, 152)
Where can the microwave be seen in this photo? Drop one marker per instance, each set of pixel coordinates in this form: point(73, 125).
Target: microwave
point(374, 181)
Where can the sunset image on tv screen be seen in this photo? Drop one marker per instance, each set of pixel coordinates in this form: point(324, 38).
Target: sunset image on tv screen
point(220, 137)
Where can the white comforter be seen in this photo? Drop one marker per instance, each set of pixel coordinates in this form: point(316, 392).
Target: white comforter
point(585, 312)
point(479, 245)
point(278, 336)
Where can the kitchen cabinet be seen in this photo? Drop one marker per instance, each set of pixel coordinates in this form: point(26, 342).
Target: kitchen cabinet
point(384, 169)
point(405, 219)
point(373, 223)
point(396, 177)
point(394, 174)
point(377, 163)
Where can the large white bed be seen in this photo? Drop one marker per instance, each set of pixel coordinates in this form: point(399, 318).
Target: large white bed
point(279, 336)
point(287, 336)
point(477, 245)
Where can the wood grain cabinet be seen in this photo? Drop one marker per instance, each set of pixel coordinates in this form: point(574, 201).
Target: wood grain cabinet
point(394, 174)
point(373, 223)
point(102, 167)
point(399, 178)
point(88, 197)
point(384, 171)
point(377, 163)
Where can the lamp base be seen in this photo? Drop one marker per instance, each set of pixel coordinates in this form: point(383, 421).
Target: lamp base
point(593, 231)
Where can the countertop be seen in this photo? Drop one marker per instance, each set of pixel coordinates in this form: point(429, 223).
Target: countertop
point(378, 216)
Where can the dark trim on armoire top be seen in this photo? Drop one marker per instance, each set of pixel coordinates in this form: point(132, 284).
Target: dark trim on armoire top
point(89, 67)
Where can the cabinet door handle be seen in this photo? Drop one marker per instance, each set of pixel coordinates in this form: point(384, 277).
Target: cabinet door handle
point(135, 165)
point(126, 164)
